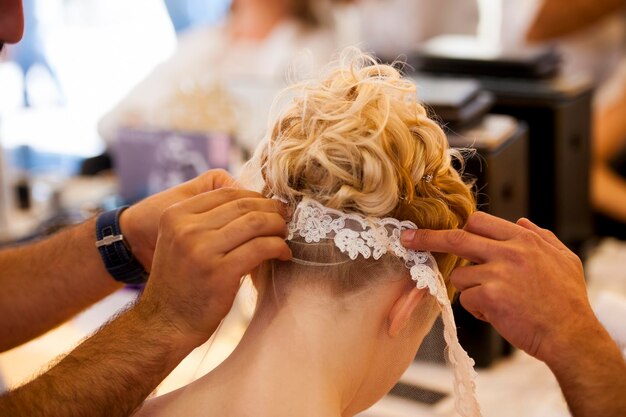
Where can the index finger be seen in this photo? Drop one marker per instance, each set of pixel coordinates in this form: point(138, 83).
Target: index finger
point(459, 242)
point(492, 227)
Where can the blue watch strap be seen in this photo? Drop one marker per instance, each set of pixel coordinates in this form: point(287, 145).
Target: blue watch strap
point(116, 255)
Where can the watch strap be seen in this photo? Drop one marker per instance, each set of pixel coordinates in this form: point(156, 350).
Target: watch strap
point(116, 255)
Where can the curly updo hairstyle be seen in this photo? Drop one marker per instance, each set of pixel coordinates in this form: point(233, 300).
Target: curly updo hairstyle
point(358, 140)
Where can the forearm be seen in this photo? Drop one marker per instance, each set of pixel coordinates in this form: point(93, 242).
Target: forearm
point(608, 191)
point(592, 374)
point(110, 374)
point(46, 283)
point(609, 135)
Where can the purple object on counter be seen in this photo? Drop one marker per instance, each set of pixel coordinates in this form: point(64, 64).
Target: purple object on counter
point(149, 161)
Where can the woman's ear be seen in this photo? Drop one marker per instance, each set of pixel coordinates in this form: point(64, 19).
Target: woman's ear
point(403, 309)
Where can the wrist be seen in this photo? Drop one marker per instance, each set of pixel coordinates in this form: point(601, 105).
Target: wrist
point(576, 345)
point(127, 227)
point(154, 315)
point(134, 234)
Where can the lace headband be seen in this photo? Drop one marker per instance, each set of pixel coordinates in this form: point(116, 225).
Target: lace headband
point(372, 237)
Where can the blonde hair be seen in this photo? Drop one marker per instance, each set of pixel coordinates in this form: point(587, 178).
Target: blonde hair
point(357, 140)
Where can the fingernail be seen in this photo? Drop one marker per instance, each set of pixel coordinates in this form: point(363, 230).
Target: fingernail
point(408, 235)
point(287, 255)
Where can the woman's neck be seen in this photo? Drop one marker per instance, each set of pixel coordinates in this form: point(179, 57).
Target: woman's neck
point(254, 20)
point(296, 361)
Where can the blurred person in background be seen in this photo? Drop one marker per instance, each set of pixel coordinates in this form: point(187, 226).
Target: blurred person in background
point(255, 46)
point(558, 19)
point(608, 174)
point(393, 28)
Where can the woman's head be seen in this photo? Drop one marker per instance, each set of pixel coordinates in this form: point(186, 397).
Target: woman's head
point(357, 141)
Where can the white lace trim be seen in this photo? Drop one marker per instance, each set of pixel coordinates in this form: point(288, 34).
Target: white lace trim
point(372, 237)
point(357, 235)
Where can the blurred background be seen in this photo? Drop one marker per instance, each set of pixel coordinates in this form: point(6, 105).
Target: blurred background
point(104, 102)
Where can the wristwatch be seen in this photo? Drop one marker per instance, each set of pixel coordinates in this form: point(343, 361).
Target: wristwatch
point(115, 252)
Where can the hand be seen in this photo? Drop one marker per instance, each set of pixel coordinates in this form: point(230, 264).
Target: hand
point(525, 282)
point(140, 222)
point(205, 245)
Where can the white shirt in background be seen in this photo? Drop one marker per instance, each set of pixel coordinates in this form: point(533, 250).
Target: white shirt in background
point(393, 28)
point(251, 71)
